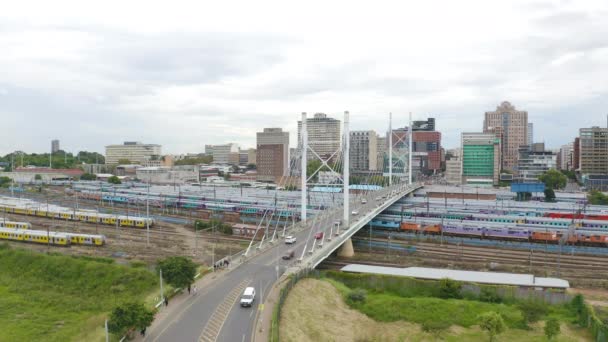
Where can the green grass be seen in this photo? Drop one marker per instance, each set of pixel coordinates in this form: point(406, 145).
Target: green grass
point(61, 298)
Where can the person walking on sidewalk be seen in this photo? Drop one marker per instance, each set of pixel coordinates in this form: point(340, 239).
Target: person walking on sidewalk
point(188, 288)
point(166, 301)
point(195, 290)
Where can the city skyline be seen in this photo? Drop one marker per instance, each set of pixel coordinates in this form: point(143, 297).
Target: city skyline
point(180, 77)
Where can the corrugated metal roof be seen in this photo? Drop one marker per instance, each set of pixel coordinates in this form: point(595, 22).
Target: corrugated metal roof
point(495, 278)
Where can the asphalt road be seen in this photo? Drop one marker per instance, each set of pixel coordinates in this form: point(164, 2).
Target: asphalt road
point(260, 272)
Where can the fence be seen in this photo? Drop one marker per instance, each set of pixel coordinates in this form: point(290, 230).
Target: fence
point(276, 313)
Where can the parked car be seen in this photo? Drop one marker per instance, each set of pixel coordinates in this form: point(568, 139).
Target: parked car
point(290, 239)
point(289, 254)
point(248, 297)
point(319, 235)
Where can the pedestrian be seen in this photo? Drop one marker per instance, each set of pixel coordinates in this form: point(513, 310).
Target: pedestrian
point(188, 288)
point(143, 331)
point(166, 301)
point(195, 290)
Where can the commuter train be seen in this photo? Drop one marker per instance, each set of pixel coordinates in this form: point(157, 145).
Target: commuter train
point(15, 225)
point(60, 213)
point(522, 233)
point(52, 238)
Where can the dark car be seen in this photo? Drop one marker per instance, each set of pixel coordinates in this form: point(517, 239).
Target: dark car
point(288, 255)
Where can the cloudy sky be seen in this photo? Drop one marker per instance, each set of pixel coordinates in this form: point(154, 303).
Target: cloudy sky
point(186, 74)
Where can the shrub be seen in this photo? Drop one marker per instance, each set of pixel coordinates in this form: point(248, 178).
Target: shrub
point(532, 310)
point(489, 295)
point(357, 295)
point(435, 326)
point(449, 288)
point(551, 328)
point(492, 323)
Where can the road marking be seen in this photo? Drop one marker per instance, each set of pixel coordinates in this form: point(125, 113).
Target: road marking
point(243, 339)
point(214, 326)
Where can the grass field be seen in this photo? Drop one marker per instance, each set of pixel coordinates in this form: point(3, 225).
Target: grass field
point(315, 310)
point(62, 298)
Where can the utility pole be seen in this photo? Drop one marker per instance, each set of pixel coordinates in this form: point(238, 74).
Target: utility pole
point(390, 149)
point(346, 171)
point(410, 152)
point(162, 293)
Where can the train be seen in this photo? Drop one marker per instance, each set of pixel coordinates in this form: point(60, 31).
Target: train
point(525, 233)
point(32, 208)
point(51, 238)
point(15, 225)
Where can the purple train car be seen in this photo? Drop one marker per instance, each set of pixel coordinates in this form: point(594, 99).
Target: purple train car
point(462, 230)
point(507, 233)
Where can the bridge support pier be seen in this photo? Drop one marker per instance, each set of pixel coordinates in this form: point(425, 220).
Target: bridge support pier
point(346, 250)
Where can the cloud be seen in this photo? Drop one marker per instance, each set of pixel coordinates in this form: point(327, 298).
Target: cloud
point(191, 74)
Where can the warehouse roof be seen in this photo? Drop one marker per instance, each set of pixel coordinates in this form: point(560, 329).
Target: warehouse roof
point(495, 278)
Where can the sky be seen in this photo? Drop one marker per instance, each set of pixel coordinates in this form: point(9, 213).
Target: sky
point(188, 73)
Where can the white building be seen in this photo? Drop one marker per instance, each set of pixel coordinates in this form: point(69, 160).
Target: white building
point(224, 154)
point(323, 135)
point(166, 175)
point(135, 152)
point(453, 171)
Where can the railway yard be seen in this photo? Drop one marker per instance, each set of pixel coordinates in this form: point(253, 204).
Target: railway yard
point(418, 231)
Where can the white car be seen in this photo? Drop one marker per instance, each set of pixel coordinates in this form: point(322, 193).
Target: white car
point(248, 296)
point(355, 213)
point(378, 198)
point(364, 201)
point(290, 239)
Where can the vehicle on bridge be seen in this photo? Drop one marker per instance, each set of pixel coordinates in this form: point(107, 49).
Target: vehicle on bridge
point(319, 235)
point(289, 254)
point(248, 297)
point(290, 239)
point(355, 213)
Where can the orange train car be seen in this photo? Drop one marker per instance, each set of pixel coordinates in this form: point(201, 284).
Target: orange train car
point(432, 229)
point(545, 236)
point(595, 239)
point(410, 227)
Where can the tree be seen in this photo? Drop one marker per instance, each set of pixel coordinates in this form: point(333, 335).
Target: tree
point(554, 179)
point(128, 316)
point(37, 177)
point(5, 182)
point(549, 195)
point(124, 161)
point(88, 176)
point(114, 180)
point(178, 271)
point(552, 328)
point(597, 198)
point(532, 310)
point(492, 323)
point(449, 288)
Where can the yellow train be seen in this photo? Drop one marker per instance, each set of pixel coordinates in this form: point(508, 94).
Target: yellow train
point(74, 215)
point(15, 225)
point(52, 238)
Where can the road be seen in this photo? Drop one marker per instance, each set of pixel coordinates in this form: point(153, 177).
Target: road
point(215, 314)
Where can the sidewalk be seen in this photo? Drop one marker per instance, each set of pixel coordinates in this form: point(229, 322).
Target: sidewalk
point(177, 303)
point(263, 323)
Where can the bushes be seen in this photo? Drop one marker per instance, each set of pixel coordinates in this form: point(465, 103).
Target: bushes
point(357, 296)
point(588, 319)
point(492, 323)
point(489, 295)
point(449, 288)
point(532, 310)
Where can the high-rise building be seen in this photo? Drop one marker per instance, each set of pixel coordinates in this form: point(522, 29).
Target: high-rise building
point(453, 170)
point(134, 152)
point(534, 162)
point(424, 125)
point(576, 154)
point(530, 133)
point(381, 152)
point(323, 136)
point(480, 158)
point(593, 151)
point(566, 153)
point(272, 154)
point(513, 131)
point(54, 146)
point(363, 151)
point(427, 150)
point(224, 154)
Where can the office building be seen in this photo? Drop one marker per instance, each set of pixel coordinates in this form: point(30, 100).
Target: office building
point(134, 152)
point(424, 125)
point(513, 131)
point(324, 136)
point(593, 154)
point(224, 154)
point(480, 158)
point(427, 150)
point(453, 170)
point(534, 162)
point(363, 151)
point(530, 133)
point(251, 156)
point(576, 154)
point(381, 152)
point(55, 146)
point(566, 154)
point(272, 156)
